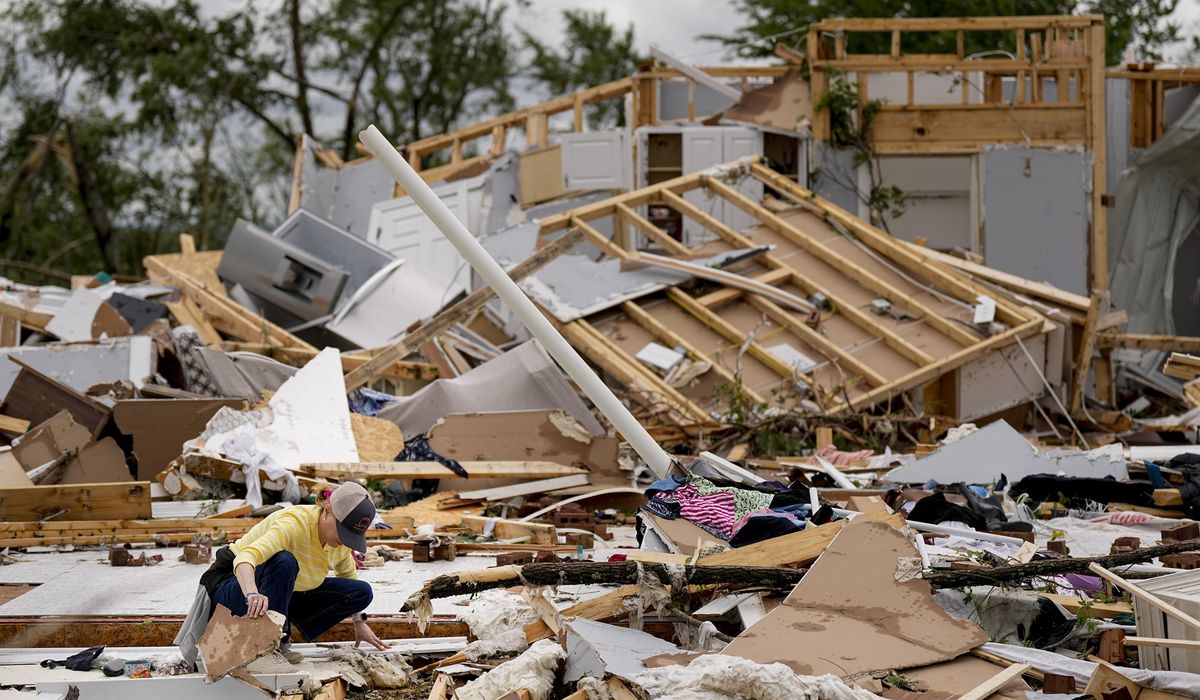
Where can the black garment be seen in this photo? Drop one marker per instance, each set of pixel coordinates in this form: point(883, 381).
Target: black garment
point(1077, 489)
point(765, 526)
point(218, 571)
point(417, 449)
point(1189, 464)
point(935, 509)
point(987, 508)
point(81, 661)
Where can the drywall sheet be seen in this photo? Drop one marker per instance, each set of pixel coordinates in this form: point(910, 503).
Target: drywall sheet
point(937, 198)
point(879, 623)
point(785, 105)
point(311, 420)
point(997, 449)
point(87, 317)
point(596, 649)
point(344, 195)
point(545, 435)
point(159, 427)
point(834, 176)
point(1044, 238)
point(1000, 380)
point(522, 379)
point(84, 366)
point(673, 99)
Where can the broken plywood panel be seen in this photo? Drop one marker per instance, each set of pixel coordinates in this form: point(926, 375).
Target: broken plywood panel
point(159, 427)
point(230, 642)
point(825, 626)
point(377, 440)
point(99, 462)
point(546, 435)
point(963, 674)
point(11, 472)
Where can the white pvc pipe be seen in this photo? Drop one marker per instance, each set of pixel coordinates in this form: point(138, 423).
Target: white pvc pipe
point(968, 534)
point(512, 296)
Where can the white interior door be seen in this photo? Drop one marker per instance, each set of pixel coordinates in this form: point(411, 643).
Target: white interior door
point(703, 147)
point(402, 229)
point(741, 142)
point(596, 160)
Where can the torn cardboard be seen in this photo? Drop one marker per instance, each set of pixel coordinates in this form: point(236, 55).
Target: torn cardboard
point(827, 625)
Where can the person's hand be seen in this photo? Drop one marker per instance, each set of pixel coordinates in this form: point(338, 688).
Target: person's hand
point(256, 605)
point(364, 633)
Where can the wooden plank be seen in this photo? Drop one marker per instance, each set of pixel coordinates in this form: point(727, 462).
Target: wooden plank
point(119, 501)
point(33, 320)
point(400, 369)
point(13, 426)
point(1141, 341)
point(935, 321)
point(1074, 604)
point(672, 339)
point(186, 313)
point(426, 470)
point(1097, 145)
point(502, 529)
point(1083, 361)
point(655, 233)
point(734, 335)
point(1189, 644)
point(457, 312)
point(975, 128)
point(501, 493)
point(938, 24)
point(818, 341)
point(223, 312)
point(910, 257)
point(851, 312)
point(600, 240)
point(985, 690)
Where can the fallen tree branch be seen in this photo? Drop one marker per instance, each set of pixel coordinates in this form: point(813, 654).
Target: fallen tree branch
point(575, 573)
point(1051, 567)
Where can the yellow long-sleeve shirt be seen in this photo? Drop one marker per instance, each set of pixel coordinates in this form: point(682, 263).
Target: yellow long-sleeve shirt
point(294, 529)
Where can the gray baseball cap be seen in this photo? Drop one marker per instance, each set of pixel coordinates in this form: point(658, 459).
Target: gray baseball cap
point(354, 511)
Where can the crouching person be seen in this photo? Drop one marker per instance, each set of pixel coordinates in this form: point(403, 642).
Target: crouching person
point(281, 565)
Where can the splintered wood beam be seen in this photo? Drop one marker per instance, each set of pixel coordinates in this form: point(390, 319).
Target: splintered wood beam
point(852, 313)
point(459, 311)
point(33, 320)
point(839, 262)
point(1174, 343)
point(599, 240)
point(647, 387)
point(819, 342)
point(735, 335)
point(186, 313)
point(917, 261)
point(108, 501)
point(223, 312)
point(669, 337)
point(655, 233)
point(1083, 361)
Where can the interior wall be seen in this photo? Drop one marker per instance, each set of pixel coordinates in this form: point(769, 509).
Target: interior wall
point(1035, 213)
point(1185, 300)
point(937, 198)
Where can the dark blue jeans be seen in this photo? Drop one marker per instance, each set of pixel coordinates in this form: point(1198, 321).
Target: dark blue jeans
point(312, 612)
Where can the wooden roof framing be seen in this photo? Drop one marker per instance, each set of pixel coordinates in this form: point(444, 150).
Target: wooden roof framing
point(862, 358)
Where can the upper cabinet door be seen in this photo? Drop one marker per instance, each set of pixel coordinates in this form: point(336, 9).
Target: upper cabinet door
point(596, 160)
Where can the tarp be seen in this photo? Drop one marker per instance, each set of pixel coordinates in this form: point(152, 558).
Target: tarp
point(1158, 207)
point(522, 379)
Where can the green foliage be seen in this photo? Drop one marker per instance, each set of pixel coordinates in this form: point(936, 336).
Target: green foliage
point(901, 682)
point(1142, 24)
point(132, 121)
point(741, 408)
point(850, 127)
point(592, 52)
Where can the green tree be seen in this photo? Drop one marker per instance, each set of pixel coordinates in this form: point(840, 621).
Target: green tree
point(1142, 24)
point(592, 52)
point(134, 120)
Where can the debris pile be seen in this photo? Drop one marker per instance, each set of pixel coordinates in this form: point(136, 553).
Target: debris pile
point(783, 451)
